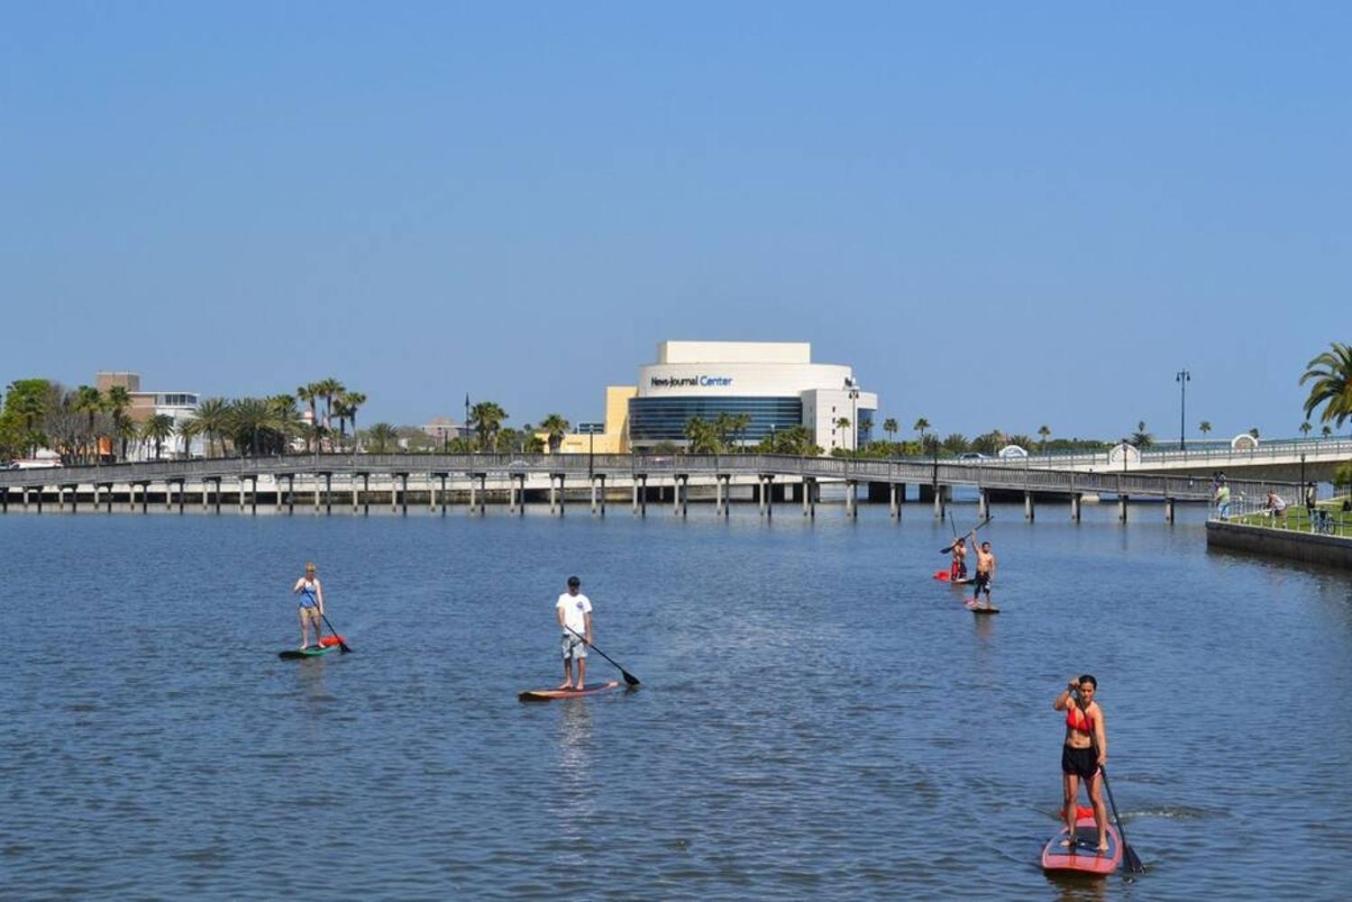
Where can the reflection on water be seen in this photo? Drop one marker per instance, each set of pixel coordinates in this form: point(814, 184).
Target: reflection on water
point(817, 717)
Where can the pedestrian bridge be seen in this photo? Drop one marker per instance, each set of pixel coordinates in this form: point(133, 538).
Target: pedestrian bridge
point(330, 481)
point(1292, 460)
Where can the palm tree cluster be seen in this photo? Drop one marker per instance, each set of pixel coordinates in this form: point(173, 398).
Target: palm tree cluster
point(338, 403)
point(75, 423)
point(725, 432)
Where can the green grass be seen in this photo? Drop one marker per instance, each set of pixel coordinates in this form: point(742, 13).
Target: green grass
point(1297, 519)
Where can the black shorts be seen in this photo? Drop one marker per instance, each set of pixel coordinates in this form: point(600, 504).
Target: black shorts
point(1083, 763)
point(982, 583)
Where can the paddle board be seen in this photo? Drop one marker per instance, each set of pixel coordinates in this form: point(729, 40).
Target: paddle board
point(546, 695)
point(326, 645)
point(1084, 857)
point(981, 609)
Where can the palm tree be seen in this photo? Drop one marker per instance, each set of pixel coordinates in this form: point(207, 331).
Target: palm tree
point(702, 436)
point(1305, 428)
point(254, 424)
point(843, 424)
point(157, 429)
point(1326, 431)
point(891, 427)
point(287, 419)
point(329, 388)
point(920, 426)
point(740, 424)
point(723, 426)
point(89, 401)
point(556, 426)
point(1204, 427)
point(212, 420)
point(189, 430)
point(119, 402)
point(866, 424)
point(383, 434)
point(487, 417)
point(352, 401)
point(1044, 433)
point(309, 394)
point(1331, 373)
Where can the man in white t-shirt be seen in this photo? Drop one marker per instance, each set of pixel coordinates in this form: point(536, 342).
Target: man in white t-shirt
point(573, 612)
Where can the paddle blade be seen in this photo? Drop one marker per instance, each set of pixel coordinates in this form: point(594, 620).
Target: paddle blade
point(946, 550)
point(1133, 860)
point(629, 677)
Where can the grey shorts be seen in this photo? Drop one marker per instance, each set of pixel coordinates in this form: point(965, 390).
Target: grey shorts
point(572, 646)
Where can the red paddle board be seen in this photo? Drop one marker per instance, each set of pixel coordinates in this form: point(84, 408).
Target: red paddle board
point(1083, 857)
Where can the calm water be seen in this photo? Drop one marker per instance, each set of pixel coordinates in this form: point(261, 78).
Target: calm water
point(818, 716)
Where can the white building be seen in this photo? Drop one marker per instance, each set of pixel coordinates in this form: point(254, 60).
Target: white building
point(775, 383)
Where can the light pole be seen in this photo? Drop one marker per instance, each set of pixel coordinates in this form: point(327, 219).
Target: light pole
point(591, 429)
point(853, 386)
point(1182, 377)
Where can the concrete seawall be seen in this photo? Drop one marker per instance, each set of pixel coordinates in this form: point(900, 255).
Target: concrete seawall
point(1330, 551)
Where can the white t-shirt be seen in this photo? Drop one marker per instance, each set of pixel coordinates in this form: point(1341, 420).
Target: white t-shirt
point(575, 608)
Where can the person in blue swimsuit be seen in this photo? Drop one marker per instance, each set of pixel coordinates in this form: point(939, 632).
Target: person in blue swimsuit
point(311, 610)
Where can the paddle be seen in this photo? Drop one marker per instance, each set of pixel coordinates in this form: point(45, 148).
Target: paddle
point(974, 529)
point(341, 644)
point(628, 677)
point(1133, 860)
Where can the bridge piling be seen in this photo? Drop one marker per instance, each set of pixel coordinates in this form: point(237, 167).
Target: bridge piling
point(983, 504)
point(893, 509)
point(1076, 499)
point(442, 477)
point(1122, 508)
point(851, 498)
point(328, 494)
point(1028, 510)
point(1169, 510)
point(938, 502)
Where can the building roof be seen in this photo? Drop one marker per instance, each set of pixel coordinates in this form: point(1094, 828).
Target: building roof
point(734, 352)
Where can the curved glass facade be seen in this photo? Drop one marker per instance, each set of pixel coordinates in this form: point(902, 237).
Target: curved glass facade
point(663, 419)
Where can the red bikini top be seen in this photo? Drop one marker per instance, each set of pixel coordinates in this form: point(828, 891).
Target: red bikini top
point(1079, 720)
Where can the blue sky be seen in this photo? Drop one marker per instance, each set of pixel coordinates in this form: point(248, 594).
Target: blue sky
point(1001, 214)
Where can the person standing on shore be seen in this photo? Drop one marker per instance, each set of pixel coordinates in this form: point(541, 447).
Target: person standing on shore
point(1223, 498)
point(1083, 754)
point(573, 611)
point(985, 573)
point(311, 610)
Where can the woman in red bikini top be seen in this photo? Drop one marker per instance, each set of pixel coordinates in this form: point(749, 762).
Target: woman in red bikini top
point(1083, 752)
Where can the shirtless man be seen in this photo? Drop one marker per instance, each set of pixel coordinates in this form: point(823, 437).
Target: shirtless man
point(985, 573)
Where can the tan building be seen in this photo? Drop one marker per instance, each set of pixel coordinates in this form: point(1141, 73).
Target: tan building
point(182, 406)
point(615, 439)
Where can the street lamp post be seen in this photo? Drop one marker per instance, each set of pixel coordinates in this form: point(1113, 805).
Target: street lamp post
point(591, 429)
point(1182, 377)
point(853, 386)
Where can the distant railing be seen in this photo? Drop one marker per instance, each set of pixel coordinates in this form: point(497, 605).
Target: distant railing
point(1325, 518)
